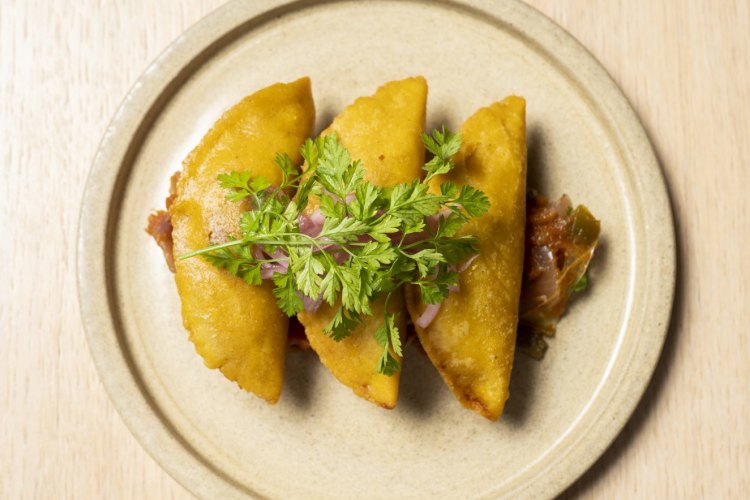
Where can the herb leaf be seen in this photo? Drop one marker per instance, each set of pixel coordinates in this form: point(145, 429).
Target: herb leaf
point(582, 283)
point(366, 244)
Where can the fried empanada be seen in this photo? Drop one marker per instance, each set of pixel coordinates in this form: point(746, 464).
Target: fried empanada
point(383, 131)
point(471, 341)
point(236, 327)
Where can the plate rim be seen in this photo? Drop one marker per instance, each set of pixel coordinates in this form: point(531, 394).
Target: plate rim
point(152, 89)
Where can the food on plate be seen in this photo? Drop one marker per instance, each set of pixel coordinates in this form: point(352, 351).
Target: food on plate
point(383, 132)
point(160, 224)
point(560, 242)
point(471, 336)
point(351, 234)
point(236, 326)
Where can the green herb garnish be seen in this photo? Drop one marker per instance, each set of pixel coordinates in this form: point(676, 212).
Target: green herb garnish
point(371, 242)
point(581, 284)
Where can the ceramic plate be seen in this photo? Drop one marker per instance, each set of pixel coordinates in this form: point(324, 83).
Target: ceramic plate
point(320, 441)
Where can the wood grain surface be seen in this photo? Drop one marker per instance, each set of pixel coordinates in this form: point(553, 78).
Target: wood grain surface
point(64, 68)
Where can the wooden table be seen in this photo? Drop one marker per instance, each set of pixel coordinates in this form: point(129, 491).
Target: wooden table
point(65, 66)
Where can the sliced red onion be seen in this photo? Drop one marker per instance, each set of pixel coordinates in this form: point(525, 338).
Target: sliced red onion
point(318, 217)
point(311, 305)
point(429, 314)
point(562, 206)
point(268, 270)
point(340, 257)
point(280, 255)
point(546, 284)
point(432, 220)
point(463, 267)
point(409, 238)
point(312, 224)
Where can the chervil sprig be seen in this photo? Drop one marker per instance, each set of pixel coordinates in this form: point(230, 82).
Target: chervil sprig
point(346, 242)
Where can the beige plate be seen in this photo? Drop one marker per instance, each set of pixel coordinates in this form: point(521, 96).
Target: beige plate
point(320, 441)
